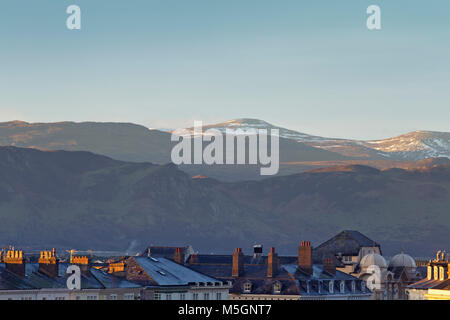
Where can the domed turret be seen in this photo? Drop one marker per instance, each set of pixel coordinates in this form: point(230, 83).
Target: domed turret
point(402, 260)
point(373, 259)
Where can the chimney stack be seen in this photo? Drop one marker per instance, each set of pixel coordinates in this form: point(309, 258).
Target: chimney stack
point(15, 262)
point(83, 263)
point(178, 256)
point(117, 268)
point(329, 267)
point(48, 263)
point(238, 263)
point(272, 263)
point(305, 257)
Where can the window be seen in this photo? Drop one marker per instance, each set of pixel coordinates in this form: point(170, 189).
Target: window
point(331, 286)
point(195, 296)
point(436, 274)
point(78, 298)
point(60, 298)
point(168, 296)
point(182, 296)
point(157, 296)
point(347, 258)
point(247, 287)
point(128, 296)
point(429, 272)
point(218, 296)
point(342, 288)
point(206, 296)
point(92, 297)
point(441, 274)
point(113, 297)
point(353, 286)
point(277, 288)
point(363, 286)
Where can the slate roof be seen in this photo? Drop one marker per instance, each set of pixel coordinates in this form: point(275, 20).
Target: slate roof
point(163, 251)
point(293, 281)
point(34, 279)
point(347, 242)
point(109, 281)
point(168, 273)
point(318, 274)
point(431, 284)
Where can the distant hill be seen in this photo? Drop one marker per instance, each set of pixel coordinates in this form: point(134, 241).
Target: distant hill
point(84, 201)
point(299, 152)
point(412, 146)
point(121, 141)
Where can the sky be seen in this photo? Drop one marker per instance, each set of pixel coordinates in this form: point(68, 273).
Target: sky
point(311, 66)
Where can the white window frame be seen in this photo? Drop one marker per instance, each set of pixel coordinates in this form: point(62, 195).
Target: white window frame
point(277, 287)
point(247, 287)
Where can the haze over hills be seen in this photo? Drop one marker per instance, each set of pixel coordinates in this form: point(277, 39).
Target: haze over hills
point(121, 141)
point(83, 200)
point(298, 151)
point(412, 146)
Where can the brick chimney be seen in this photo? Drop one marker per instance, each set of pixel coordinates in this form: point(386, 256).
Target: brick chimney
point(15, 262)
point(117, 268)
point(48, 263)
point(178, 256)
point(272, 263)
point(305, 257)
point(193, 258)
point(329, 267)
point(238, 263)
point(83, 263)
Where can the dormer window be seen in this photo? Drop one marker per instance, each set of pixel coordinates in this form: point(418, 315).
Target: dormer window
point(363, 286)
point(342, 287)
point(347, 259)
point(247, 287)
point(441, 274)
point(331, 286)
point(277, 288)
point(436, 274)
point(353, 286)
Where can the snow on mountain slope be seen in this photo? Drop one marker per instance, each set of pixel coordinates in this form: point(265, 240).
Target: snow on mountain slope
point(412, 146)
point(246, 124)
point(415, 146)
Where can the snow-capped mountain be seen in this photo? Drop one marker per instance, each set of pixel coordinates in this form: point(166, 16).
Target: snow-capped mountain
point(415, 146)
point(412, 146)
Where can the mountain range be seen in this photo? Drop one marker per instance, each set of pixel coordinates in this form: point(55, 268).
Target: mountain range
point(83, 200)
point(299, 152)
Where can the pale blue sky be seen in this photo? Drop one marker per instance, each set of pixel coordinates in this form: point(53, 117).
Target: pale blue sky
point(311, 66)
